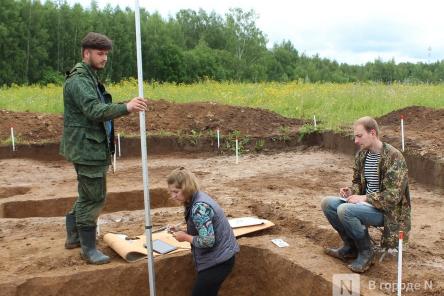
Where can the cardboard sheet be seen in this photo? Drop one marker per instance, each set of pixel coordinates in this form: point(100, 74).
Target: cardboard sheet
point(249, 229)
point(133, 249)
point(245, 221)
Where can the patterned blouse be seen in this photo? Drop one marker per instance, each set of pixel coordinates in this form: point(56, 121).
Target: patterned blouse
point(202, 215)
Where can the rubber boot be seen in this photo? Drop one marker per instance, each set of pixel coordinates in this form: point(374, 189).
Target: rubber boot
point(365, 255)
point(72, 236)
point(88, 242)
point(347, 251)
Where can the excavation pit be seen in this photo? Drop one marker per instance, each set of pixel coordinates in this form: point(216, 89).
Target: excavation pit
point(257, 272)
point(6, 192)
point(285, 188)
point(55, 207)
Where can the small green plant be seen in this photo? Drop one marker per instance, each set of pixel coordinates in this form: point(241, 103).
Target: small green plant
point(165, 133)
point(230, 142)
point(17, 140)
point(260, 145)
point(305, 130)
point(195, 136)
point(181, 137)
point(284, 133)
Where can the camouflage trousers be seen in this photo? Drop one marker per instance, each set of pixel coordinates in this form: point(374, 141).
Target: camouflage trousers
point(91, 194)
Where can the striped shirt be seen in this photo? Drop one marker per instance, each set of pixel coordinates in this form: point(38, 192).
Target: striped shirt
point(371, 172)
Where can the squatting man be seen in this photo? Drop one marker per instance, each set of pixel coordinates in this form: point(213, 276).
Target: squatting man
point(379, 196)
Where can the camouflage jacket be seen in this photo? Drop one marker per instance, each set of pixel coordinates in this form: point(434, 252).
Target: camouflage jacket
point(84, 139)
point(393, 198)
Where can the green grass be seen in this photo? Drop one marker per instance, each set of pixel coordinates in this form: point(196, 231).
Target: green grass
point(333, 104)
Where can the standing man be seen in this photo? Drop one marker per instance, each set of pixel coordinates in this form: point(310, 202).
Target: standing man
point(379, 196)
point(87, 142)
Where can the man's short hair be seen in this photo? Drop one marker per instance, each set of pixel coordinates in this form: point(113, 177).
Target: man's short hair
point(368, 123)
point(94, 40)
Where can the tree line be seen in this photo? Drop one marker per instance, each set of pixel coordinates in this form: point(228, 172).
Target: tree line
point(40, 41)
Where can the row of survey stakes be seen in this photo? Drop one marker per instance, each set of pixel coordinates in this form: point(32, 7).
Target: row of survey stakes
point(117, 147)
point(118, 151)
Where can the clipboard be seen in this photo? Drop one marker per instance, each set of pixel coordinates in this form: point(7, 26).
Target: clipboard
point(162, 247)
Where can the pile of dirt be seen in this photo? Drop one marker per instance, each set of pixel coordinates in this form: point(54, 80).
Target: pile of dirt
point(30, 127)
point(162, 116)
point(422, 125)
point(200, 117)
point(422, 129)
point(413, 115)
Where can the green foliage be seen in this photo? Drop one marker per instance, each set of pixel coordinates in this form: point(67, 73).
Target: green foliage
point(17, 140)
point(230, 142)
point(306, 130)
point(335, 104)
point(39, 42)
point(164, 133)
point(52, 77)
point(284, 133)
point(186, 138)
point(195, 136)
point(260, 145)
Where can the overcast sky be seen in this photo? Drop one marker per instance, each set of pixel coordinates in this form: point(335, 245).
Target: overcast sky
point(351, 31)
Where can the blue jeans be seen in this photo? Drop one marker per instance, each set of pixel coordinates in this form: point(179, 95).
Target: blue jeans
point(350, 220)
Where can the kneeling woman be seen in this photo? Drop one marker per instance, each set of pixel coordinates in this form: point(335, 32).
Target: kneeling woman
point(212, 240)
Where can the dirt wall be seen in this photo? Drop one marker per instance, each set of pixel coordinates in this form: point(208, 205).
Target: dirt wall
point(423, 169)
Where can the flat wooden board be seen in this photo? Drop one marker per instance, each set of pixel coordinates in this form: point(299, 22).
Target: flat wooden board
point(245, 221)
point(133, 249)
point(249, 229)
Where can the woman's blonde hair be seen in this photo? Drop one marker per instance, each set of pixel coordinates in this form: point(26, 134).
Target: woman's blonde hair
point(184, 180)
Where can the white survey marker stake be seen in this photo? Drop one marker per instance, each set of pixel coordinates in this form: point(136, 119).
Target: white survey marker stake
point(280, 243)
point(115, 159)
point(314, 120)
point(402, 132)
point(237, 151)
point(99, 223)
point(218, 138)
point(12, 139)
point(118, 144)
point(401, 239)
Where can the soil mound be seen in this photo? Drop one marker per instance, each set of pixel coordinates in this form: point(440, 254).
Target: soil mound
point(414, 115)
point(422, 129)
point(30, 127)
point(198, 117)
point(162, 116)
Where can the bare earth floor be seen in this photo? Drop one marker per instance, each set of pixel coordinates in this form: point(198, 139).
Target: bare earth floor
point(286, 188)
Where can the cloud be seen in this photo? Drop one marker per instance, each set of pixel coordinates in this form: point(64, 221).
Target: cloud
point(345, 30)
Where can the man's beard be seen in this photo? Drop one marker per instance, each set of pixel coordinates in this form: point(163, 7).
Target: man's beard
point(98, 66)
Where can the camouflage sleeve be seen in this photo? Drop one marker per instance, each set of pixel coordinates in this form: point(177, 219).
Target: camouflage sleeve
point(86, 99)
point(391, 185)
point(356, 181)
